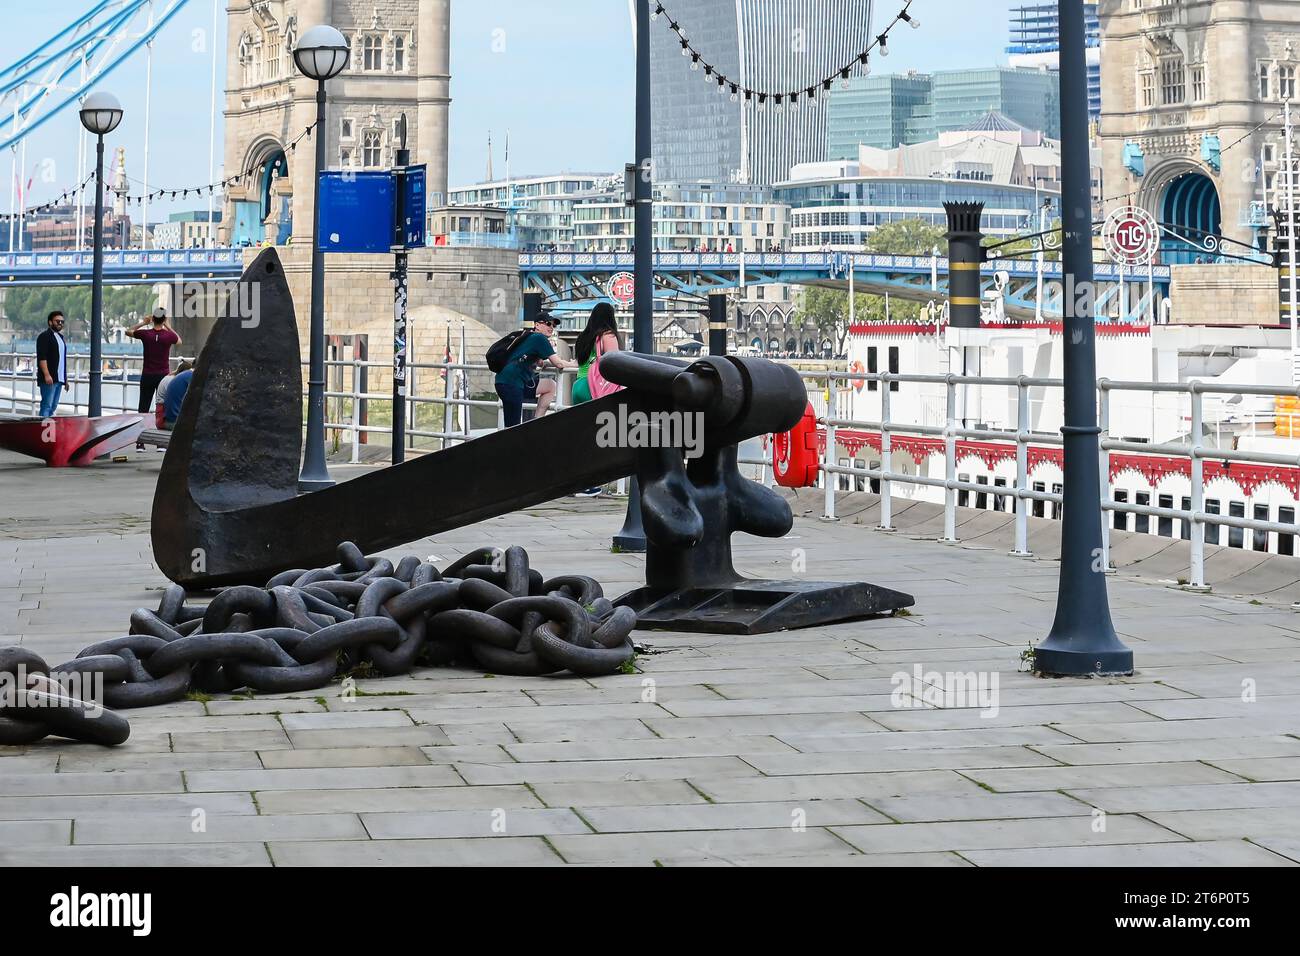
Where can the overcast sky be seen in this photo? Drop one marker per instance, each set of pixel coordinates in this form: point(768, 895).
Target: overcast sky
point(558, 74)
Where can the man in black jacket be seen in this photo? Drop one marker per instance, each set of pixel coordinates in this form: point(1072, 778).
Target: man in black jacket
point(51, 363)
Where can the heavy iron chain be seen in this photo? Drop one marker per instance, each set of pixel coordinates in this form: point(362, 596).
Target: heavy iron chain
point(309, 625)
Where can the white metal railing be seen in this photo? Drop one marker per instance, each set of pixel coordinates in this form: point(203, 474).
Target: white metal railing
point(1195, 450)
point(347, 402)
point(19, 394)
point(352, 401)
point(119, 392)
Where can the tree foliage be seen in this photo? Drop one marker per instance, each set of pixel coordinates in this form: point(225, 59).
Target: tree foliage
point(1025, 248)
point(28, 306)
point(827, 310)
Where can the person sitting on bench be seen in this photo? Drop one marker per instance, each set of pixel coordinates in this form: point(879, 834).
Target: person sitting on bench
point(174, 396)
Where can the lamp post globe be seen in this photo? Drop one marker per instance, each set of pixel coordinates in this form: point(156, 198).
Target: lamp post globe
point(322, 53)
point(100, 114)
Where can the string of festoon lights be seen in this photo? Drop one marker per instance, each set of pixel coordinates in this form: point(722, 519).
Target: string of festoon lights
point(64, 197)
point(737, 90)
point(207, 189)
point(178, 193)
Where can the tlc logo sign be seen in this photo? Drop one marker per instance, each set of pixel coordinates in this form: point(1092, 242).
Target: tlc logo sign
point(1131, 236)
point(622, 288)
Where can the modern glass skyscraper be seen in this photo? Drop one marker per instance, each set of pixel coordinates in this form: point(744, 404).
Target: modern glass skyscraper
point(875, 111)
point(1036, 42)
point(1030, 97)
point(699, 133)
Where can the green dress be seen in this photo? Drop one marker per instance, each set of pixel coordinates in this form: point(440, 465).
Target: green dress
point(581, 388)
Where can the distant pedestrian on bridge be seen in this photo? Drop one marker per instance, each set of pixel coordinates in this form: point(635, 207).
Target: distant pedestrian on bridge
point(51, 363)
point(157, 337)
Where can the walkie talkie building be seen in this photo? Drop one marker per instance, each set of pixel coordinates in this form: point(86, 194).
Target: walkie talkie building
point(701, 134)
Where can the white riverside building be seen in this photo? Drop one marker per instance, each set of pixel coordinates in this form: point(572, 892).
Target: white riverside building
point(1014, 171)
point(1172, 353)
point(540, 207)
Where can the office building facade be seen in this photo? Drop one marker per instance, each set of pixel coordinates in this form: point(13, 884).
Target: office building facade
point(890, 111)
point(874, 111)
point(187, 230)
point(700, 134)
point(696, 217)
point(539, 208)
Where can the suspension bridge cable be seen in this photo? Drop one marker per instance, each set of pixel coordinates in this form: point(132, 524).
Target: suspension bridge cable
point(101, 72)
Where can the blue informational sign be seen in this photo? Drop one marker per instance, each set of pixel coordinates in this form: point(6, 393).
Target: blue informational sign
point(357, 210)
point(413, 207)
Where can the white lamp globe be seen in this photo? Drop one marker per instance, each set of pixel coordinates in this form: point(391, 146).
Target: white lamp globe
point(322, 53)
point(101, 113)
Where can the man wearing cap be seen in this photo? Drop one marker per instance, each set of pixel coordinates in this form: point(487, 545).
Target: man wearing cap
point(517, 381)
point(157, 337)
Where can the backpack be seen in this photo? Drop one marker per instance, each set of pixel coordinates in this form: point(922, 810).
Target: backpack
point(499, 354)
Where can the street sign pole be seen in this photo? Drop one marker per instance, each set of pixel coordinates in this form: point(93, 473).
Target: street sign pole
point(403, 159)
point(631, 537)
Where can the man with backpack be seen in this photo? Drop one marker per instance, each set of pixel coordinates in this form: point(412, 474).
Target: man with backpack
point(515, 358)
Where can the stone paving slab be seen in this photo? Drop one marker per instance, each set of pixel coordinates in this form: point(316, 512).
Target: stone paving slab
point(1206, 853)
point(807, 748)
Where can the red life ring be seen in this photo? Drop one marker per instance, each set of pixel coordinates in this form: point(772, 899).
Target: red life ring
point(794, 453)
point(857, 369)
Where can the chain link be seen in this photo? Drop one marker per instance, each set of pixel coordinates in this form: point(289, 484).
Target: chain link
point(308, 626)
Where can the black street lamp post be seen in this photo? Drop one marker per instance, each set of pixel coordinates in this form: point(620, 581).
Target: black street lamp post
point(631, 537)
point(1082, 641)
point(322, 53)
point(100, 114)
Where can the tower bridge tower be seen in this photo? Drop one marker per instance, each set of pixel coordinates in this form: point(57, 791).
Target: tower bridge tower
point(401, 63)
point(1192, 94)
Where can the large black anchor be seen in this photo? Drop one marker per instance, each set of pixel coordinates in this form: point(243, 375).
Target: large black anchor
point(227, 509)
point(691, 504)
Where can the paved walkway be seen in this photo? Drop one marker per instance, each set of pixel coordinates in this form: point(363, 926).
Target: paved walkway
point(785, 748)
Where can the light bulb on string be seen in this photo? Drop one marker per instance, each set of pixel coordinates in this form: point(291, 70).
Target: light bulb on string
point(686, 48)
point(844, 78)
point(910, 20)
point(884, 46)
point(695, 61)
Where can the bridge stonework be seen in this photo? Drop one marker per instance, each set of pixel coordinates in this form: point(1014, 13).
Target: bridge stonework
point(447, 285)
point(400, 65)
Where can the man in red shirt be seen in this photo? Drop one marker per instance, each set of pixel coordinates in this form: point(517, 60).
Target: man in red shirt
point(157, 337)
